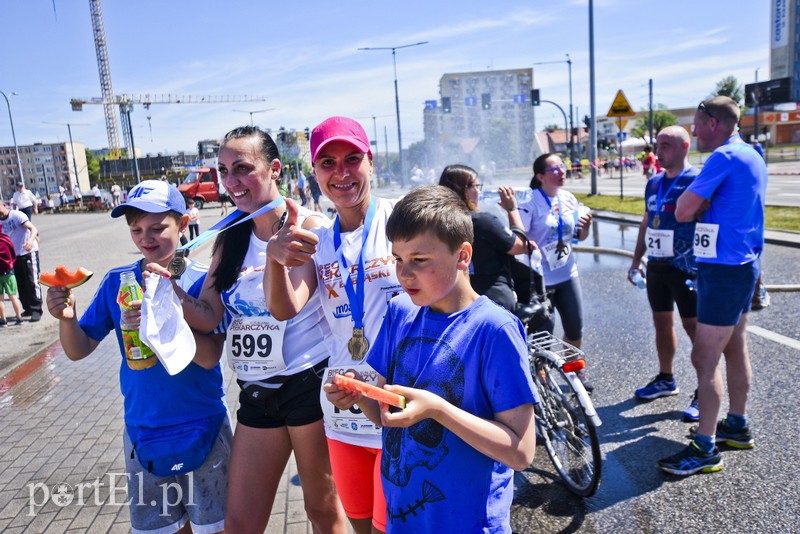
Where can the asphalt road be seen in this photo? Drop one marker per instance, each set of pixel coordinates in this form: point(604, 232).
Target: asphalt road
point(94, 241)
point(754, 493)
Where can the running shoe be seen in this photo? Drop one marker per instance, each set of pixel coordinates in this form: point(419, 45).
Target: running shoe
point(692, 460)
point(692, 414)
point(658, 387)
point(3, 322)
point(738, 439)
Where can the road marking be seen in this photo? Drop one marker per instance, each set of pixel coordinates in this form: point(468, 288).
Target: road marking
point(774, 336)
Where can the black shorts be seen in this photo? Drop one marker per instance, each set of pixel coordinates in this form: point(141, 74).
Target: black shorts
point(295, 402)
point(666, 286)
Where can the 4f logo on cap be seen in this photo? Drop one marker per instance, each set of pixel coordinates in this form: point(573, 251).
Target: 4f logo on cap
point(140, 191)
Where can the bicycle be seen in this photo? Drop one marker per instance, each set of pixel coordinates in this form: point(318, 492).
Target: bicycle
point(566, 419)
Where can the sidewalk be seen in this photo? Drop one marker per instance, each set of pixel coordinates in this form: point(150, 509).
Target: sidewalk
point(61, 423)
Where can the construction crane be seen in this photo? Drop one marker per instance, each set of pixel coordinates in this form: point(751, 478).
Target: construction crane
point(126, 102)
point(98, 28)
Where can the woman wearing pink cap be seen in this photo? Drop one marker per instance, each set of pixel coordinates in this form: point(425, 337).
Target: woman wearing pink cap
point(277, 363)
point(353, 274)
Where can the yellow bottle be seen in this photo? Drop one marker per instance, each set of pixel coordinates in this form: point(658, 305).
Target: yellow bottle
point(138, 355)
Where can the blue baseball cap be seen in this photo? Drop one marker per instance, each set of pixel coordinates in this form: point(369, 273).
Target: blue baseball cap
point(152, 196)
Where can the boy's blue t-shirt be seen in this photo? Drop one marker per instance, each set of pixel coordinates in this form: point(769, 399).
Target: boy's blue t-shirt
point(734, 179)
point(476, 359)
point(153, 398)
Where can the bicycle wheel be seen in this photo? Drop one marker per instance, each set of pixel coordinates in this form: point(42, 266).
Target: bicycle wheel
point(569, 436)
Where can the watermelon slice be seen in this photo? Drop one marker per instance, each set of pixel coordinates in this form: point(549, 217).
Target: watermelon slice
point(369, 391)
point(65, 278)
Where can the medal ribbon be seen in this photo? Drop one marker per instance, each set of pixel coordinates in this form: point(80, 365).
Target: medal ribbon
point(354, 296)
point(560, 220)
point(660, 195)
point(222, 225)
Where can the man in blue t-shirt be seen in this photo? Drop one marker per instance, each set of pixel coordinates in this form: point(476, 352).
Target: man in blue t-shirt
point(461, 363)
point(154, 399)
point(670, 259)
point(727, 200)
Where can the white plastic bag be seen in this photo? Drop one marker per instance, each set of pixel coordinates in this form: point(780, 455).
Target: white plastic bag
point(163, 327)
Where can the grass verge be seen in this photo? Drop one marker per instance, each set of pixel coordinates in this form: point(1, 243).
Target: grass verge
point(776, 217)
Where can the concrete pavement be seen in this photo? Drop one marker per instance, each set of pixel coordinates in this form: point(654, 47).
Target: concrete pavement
point(61, 423)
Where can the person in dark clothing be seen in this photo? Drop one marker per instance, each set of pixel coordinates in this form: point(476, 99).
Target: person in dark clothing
point(495, 244)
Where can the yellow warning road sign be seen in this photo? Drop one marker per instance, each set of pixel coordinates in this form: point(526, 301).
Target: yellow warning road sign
point(621, 124)
point(620, 107)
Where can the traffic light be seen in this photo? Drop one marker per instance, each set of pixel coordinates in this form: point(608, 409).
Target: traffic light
point(446, 104)
point(587, 123)
point(307, 133)
point(535, 101)
point(486, 100)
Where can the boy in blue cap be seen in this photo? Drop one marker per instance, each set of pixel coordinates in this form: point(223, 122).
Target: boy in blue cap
point(187, 410)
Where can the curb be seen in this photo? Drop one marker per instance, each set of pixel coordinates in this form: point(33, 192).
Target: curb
point(773, 237)
point(20, 370)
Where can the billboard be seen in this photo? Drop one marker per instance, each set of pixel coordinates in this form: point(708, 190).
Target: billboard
point(768, 93)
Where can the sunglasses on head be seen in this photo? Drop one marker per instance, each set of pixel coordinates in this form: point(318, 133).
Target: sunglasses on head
point(702, 107)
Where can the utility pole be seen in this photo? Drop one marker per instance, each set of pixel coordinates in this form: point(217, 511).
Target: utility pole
point(651, 110)
point(755, 109)
point(592, 103)
point(397, 101)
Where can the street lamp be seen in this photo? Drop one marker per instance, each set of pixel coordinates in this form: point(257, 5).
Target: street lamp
point(397, 101)
point(252, 113)
point(14, 136)
point(568, 61)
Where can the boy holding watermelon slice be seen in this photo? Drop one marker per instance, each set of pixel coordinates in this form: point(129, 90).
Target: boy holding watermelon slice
point(460, 362)
point(185, 411)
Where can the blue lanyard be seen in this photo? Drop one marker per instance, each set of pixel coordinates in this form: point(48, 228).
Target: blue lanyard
point(222, 225)
point(660, 195)
point(355, 296)
point(560, 220)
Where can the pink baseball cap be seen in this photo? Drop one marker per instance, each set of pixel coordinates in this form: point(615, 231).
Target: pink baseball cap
point(338, 129)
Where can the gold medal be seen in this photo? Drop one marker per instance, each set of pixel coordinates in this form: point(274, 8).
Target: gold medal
point(656, 221)
point(358, 344)
point(177, 266)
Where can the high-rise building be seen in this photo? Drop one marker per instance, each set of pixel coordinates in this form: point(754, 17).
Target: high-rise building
point(45, 166)
point(482, 117)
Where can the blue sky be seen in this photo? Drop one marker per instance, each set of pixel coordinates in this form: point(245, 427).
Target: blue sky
point(303, 58)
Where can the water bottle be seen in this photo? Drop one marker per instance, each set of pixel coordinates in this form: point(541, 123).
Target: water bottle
point(637, 277)
point(138, 355)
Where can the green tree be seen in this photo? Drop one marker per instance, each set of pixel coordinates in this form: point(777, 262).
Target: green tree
point(93, 167)
point(551, 127)
point(662, 117)
point(729, 86)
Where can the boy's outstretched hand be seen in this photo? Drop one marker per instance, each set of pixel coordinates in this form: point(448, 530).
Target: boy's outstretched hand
point(292, 245)
point(60, 302)
point(420, 404)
